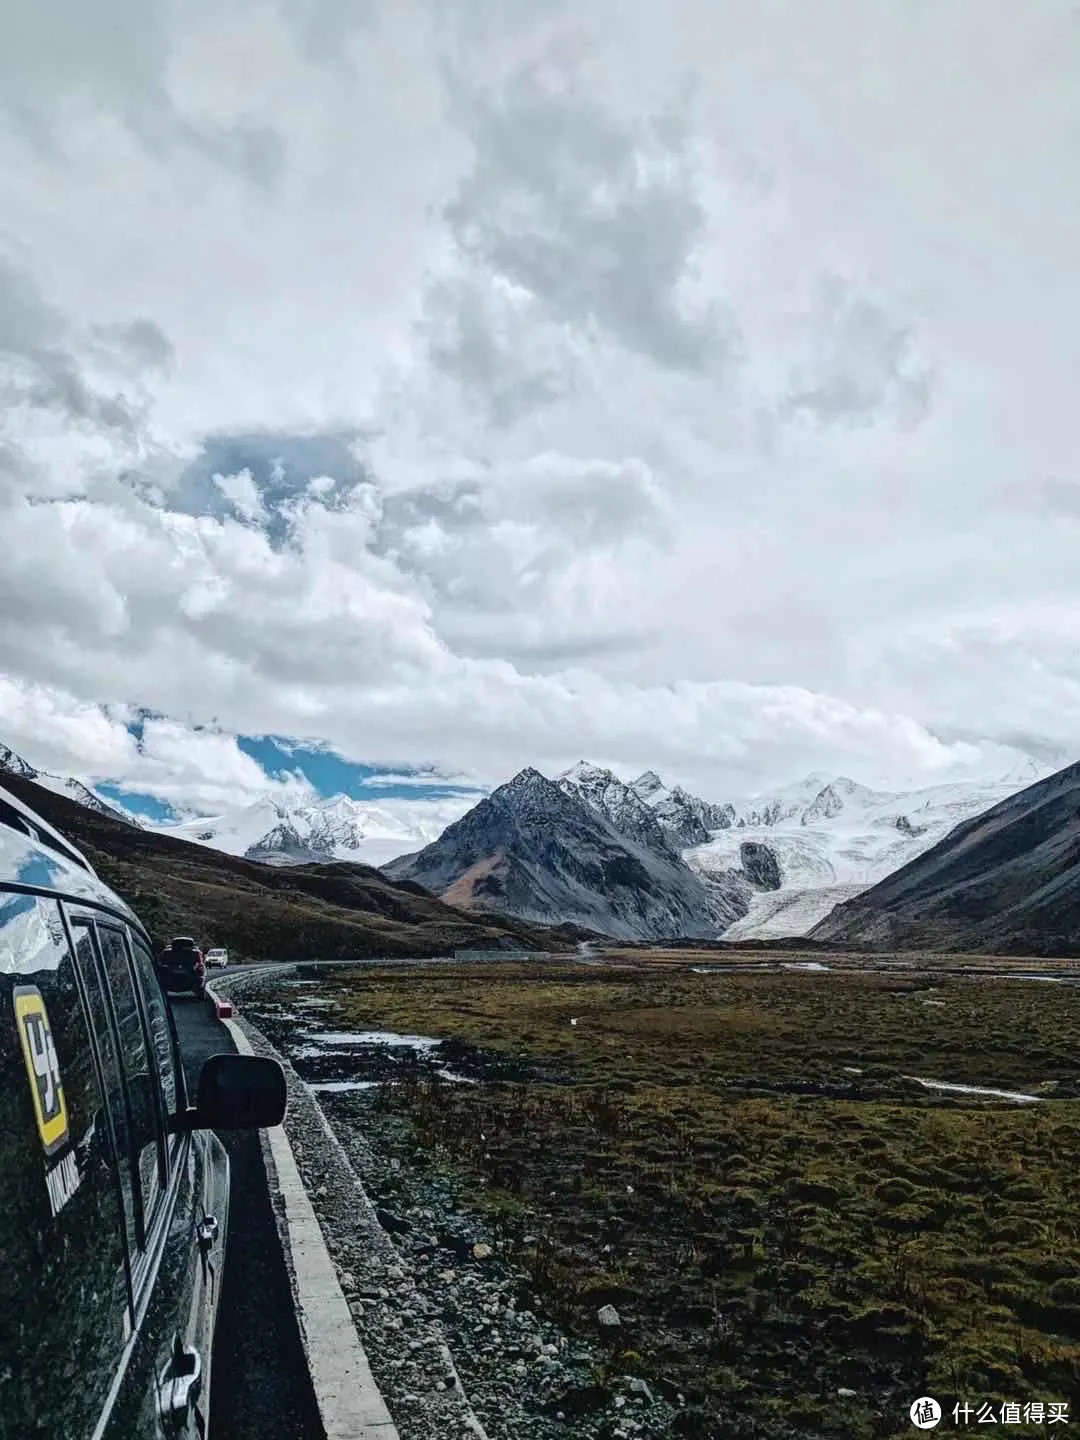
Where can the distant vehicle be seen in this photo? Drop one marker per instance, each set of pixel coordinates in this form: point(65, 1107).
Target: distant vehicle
point(113, 1188)
point(217, 956)
point(182, 968)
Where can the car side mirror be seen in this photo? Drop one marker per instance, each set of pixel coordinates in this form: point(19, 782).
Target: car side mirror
point(237, 1092)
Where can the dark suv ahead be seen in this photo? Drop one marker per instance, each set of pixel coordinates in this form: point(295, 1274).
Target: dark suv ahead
point(181, 968)
point(114, 1192)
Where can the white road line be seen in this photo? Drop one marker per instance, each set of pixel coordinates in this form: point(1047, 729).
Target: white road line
point(349, 1401)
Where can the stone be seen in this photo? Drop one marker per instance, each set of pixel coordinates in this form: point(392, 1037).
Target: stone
point(481, 1251)
point(845, 1393)
point(608, 1317)
point(640, 1389)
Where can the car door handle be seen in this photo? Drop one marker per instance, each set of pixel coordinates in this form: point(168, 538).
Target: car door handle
point(179, 1385)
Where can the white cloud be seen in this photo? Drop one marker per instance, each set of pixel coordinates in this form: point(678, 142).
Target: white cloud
point(243, 495)
point(691, 390)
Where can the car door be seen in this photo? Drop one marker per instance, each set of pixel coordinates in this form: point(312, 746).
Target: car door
point(177, 1331)
point(164, 1188)
point(65, 1301)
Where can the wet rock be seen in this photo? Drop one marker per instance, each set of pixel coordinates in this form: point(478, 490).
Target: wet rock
point(640, 1390)
point(608, 1317)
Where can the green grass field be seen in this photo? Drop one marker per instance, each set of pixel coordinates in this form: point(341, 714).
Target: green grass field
point(772, 1226)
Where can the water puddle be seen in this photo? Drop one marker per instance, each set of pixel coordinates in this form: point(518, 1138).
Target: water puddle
point(374, 1037)
point(803, 965)
point(336, 1062)
point(725, 969)
point(1016, 1096)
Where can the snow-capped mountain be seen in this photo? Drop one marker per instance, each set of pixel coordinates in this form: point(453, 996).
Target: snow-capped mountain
point(688, 819)
point(646, 809)
point(834, 838)
point(771, 866)
point(619, 804)
point(13, 764)
point(777, 863)
point(536, 849)
point(338, 828)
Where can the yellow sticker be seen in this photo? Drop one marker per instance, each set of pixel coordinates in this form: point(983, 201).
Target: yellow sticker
point(42, 1067)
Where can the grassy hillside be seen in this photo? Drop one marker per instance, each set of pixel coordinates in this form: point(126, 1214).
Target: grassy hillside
point(264, 912)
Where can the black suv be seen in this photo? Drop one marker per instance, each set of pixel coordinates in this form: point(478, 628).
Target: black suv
point(114, 1192)
point(181, 968)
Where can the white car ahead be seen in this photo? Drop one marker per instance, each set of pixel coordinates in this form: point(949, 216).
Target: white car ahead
point(217, 957)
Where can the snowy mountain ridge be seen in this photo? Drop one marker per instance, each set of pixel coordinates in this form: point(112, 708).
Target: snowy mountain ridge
point(13, 764)
point(323, 830)
point(797, 851)
point(834, 838)
point(775, 863)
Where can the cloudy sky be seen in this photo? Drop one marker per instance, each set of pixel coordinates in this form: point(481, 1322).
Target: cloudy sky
point(472, 383)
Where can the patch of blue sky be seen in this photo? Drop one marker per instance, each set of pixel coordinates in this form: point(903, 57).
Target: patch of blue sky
point(331, 774)
point(147, 806)
point(281, 467)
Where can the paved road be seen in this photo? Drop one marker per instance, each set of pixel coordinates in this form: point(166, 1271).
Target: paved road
point(261, 1387)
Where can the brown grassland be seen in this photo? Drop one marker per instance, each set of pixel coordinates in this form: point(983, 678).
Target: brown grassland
point(738, 1163)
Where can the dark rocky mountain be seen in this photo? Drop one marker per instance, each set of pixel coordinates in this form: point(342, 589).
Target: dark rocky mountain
point(760, 865)
point(1006, 881)
point(333, 911)
point(538, 850)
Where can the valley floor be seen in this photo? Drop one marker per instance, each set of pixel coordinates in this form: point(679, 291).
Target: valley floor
point(796, 1234)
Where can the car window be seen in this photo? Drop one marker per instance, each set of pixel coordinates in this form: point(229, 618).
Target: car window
point(63, 1290)
point(112, 1076)
point(157, 1023)
point(140, 1077)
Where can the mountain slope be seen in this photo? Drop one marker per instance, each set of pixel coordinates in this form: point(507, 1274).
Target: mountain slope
point(262, 912)
point(535, 849)
point(1006, 880)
